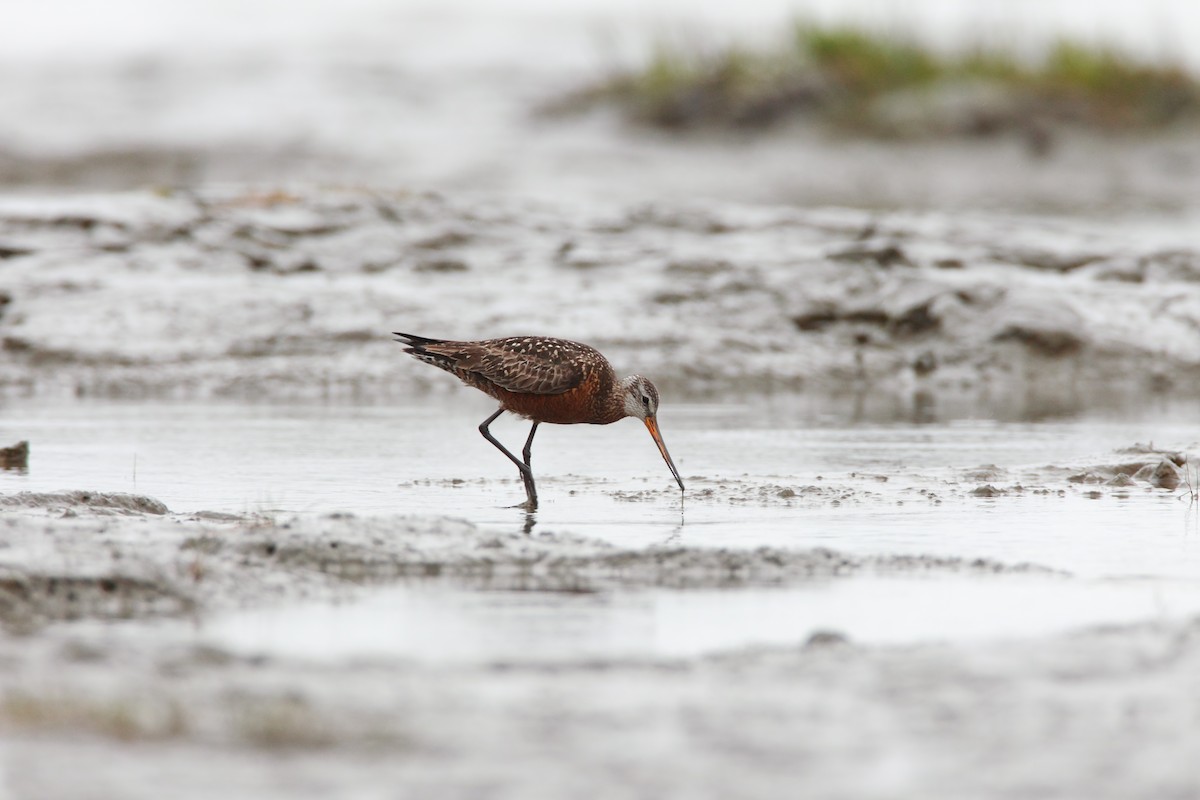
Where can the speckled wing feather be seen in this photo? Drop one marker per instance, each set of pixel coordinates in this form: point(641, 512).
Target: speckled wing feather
point(527, 364)
point(530, 364)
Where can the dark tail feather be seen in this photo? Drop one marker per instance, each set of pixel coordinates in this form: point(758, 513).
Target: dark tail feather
point(414, 341)
point(416, 348)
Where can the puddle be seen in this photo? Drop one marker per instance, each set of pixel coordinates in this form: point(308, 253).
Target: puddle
point(861, 488)
point(438, 624)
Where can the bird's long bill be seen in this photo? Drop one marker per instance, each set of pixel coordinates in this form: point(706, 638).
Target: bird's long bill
point(652, 426)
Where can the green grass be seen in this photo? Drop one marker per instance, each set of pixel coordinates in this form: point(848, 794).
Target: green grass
point(862, 64)
point(878, 84)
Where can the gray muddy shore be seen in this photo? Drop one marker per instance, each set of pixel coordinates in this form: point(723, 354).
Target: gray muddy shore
point(113, 690)
point(921, 555)
point(81, 555)
point(291, 296)
point(286, 296)
point(1100, 713)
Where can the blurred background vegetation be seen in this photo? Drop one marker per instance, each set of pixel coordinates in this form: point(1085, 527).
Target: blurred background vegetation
point(889, 85)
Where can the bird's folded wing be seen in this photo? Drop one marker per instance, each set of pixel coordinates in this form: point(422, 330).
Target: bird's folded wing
point(520, 365)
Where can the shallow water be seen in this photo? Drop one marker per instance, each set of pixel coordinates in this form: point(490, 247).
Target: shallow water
point(860, 487)
point(439, 624)
point(454, 671)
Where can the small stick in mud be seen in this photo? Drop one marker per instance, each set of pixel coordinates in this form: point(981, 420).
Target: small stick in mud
point(544, 380)
point(1191, 479)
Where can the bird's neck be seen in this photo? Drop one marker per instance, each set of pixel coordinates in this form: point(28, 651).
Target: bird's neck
point(611, 405)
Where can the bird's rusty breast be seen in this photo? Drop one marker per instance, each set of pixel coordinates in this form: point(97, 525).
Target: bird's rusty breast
point(554, 380)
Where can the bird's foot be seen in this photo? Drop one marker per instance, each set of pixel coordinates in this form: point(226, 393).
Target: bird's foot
point(531, 501)
point(530, 505)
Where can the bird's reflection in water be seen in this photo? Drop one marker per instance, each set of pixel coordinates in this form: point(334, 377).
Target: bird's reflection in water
point(529, 521)
point(675, 536)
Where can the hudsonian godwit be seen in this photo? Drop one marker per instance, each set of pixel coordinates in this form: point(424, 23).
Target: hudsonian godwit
point(544, 380)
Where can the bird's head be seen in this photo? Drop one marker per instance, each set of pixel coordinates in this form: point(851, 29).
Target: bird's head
point(641, 401)
point(641, 398)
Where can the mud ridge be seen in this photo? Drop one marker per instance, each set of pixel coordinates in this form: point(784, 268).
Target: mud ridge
point(728, 297)
point(71, 502)
point(30, 600)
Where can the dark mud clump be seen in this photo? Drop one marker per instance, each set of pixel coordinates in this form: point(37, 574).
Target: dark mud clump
point(1163, 475)
point(15, 457)
point(1162, 469)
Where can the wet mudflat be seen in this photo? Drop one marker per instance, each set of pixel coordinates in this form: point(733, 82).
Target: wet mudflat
point(932, 403)
point(880, 603)
point(955, 563)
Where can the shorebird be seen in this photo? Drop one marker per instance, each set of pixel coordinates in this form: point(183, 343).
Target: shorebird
point(544, 380)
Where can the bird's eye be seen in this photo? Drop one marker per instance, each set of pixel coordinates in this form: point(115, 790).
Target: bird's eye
point(645, 401)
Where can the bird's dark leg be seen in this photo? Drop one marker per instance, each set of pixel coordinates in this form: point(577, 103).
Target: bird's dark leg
point(526, 473)
point(529, 444)
point(527, 476)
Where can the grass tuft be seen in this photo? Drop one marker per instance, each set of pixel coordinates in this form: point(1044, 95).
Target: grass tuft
point(863, 64)
point(876, 84)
